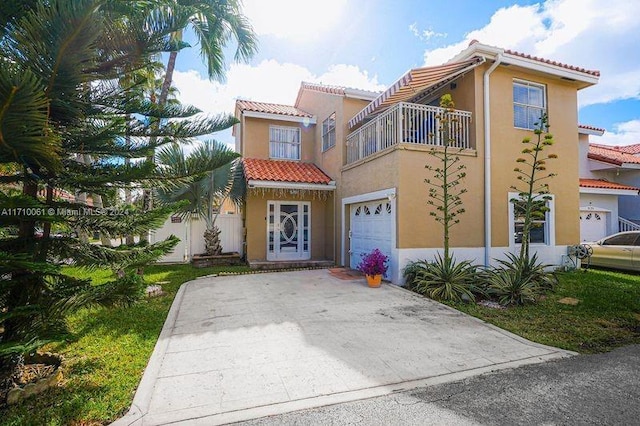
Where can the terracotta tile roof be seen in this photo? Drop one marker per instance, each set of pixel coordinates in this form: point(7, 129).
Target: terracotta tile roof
point(555, 63)
point(588, 127)
point(605, 184)
point(611, 155)
point(335, 90)
point(630, 149)
point(283, 171)
point(270, 108)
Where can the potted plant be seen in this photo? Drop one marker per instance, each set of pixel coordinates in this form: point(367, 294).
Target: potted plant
point(374, 266)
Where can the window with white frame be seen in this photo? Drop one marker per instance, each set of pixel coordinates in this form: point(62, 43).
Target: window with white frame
point(529, 104)
point(329, 132)
point(284, 142)
point(542, 214)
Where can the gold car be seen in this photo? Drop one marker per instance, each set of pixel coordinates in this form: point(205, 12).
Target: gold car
point(617, 251)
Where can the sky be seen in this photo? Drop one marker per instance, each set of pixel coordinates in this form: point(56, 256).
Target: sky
point(369, 44)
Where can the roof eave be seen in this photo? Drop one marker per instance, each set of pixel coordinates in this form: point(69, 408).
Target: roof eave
point(581, 78)
point(270, 184)
point(489, 52)
point(364, 95)
point(607, 191)
point(589, 131)
point(280, 117)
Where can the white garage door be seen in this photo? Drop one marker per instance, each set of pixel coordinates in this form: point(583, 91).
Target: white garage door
point(593, 225)
point(371, 225)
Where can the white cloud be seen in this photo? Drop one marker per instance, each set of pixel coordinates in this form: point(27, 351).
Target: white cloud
point(584, 33)
point(293, 19)
point(626, 133)
point(269, 81)
point(424, 35)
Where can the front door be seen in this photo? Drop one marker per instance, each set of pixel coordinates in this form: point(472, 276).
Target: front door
point(288, 230)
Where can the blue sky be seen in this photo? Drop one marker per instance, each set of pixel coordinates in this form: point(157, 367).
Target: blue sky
point(368, 44)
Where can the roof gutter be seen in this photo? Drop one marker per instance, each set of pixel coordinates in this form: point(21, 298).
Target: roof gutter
point(269, 184)
point(487, 161)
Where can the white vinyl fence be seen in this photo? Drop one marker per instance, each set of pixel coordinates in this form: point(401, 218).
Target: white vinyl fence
point(191, 237)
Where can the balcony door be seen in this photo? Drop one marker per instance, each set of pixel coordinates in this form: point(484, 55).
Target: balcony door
point(288, 230)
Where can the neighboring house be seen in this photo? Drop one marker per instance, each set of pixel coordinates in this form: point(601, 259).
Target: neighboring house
point(341, 171)
point(609, 185)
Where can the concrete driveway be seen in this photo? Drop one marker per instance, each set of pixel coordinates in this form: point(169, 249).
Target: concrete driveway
point(241, 347)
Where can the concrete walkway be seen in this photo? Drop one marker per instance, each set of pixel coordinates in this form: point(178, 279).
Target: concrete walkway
point(241, 347)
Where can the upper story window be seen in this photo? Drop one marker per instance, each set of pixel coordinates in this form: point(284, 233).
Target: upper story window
point(284, 142)
point(529, 104)
point(329, 132)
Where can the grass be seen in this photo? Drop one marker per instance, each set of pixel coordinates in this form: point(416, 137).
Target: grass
point(106, 354)
point(607, 315)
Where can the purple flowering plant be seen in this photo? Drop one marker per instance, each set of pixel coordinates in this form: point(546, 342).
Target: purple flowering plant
point(374, 263)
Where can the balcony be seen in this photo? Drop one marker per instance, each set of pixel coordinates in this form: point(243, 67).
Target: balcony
point(412, 124)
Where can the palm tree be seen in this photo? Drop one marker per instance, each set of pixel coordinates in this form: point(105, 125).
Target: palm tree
point(215, 24)
point(217, 178)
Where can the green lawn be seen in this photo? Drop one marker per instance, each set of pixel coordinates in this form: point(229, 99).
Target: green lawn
point(106, 355)
point(607, 316)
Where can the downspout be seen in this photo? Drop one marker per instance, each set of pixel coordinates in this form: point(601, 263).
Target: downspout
point(487, 162)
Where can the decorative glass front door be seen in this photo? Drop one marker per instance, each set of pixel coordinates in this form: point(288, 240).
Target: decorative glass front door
point(288, 230)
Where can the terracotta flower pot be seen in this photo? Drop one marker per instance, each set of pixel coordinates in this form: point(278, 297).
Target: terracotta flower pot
point(374, 280)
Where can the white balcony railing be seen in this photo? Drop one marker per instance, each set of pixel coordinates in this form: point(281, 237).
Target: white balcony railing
point(408, 123)
point(625, 225)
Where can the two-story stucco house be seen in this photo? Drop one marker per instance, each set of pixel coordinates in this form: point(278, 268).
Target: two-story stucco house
point(341, 171)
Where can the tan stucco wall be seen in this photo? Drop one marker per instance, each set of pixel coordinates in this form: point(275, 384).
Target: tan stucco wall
point(416, 227)
point(255, 138)
point(330, 161)
point(256, 225)
point(507, 146)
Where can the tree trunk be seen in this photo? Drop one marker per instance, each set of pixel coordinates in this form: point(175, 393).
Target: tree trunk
point(147, 198)
point(212, 243)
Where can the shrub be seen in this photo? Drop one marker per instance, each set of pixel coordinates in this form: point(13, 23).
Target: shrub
point(520, 280)
point(511, 287)
point(374, 263)
point(445, 279)
point(533, 269)
point(410, 273)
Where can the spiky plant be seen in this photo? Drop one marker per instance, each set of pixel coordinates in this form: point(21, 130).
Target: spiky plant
point(446, 280)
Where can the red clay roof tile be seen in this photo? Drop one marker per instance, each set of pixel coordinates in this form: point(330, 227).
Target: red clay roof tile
point(630, 149)
point(283, 171)
point(604, 184)
point(270, 108)
point(611, 154)
point(555, 63)
point(588, 127)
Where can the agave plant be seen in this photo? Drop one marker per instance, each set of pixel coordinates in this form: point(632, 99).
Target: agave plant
point(445, 279)
point(410, 272)
point(531, 268)
point(512, 287)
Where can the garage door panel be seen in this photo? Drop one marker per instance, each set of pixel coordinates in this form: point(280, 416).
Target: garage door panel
point(593, 225)
point(371, 228)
